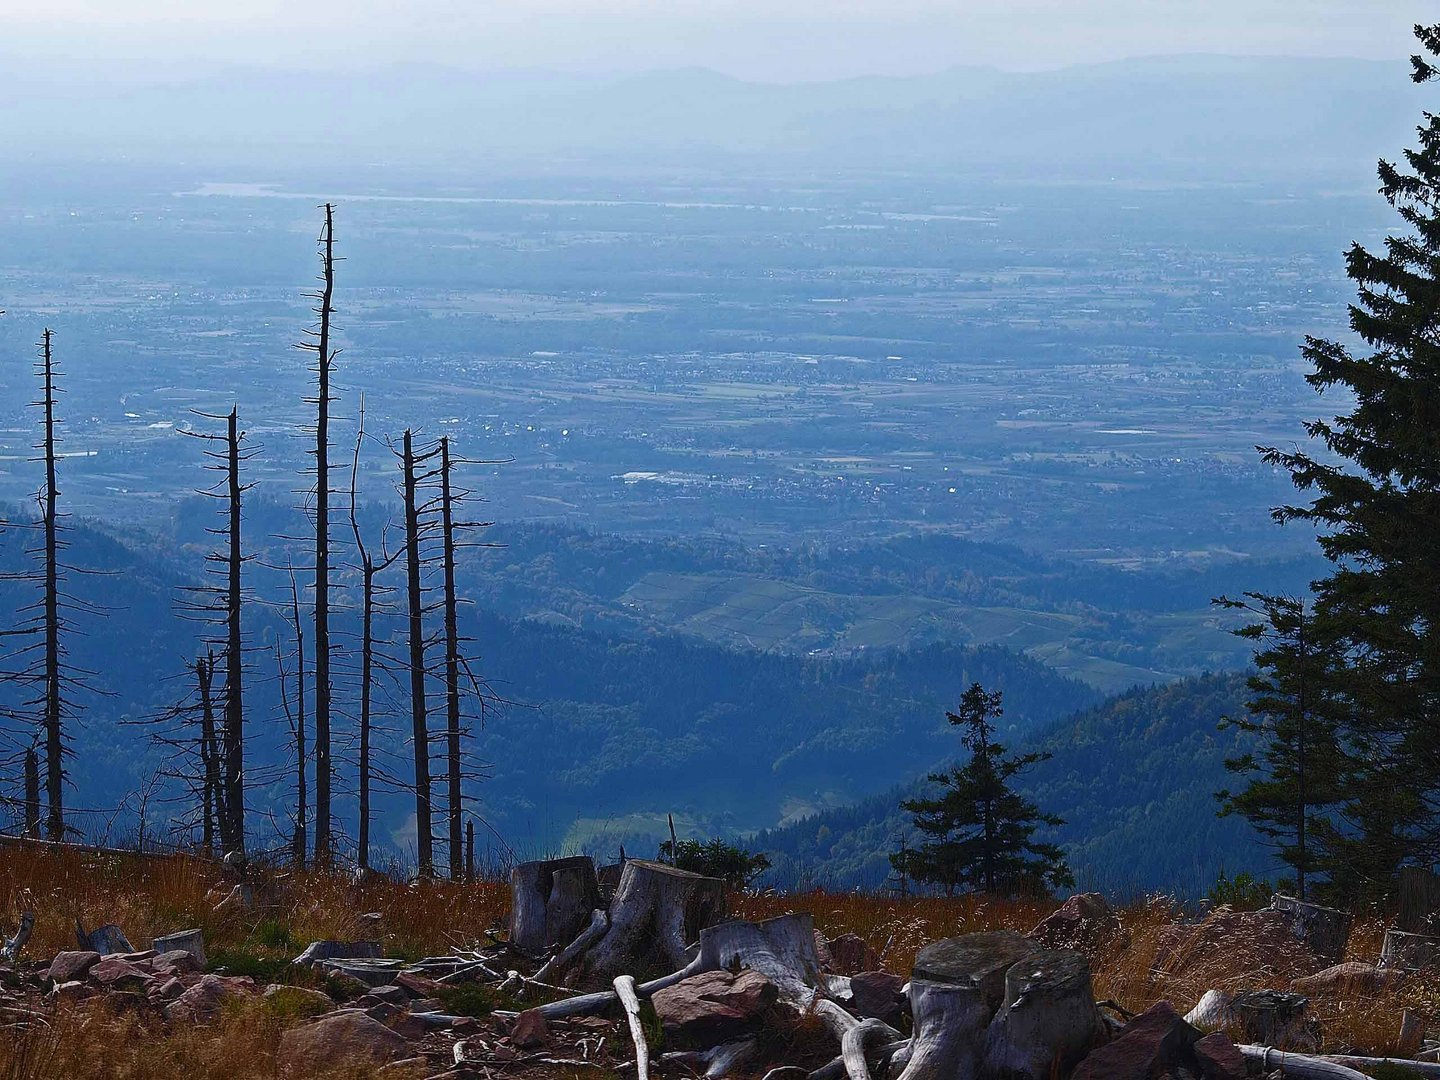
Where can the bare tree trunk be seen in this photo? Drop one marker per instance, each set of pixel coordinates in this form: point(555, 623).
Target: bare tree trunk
point(300, 839)
point(54, 744)
point(452, 661)
point(209, 757)
point(233, 735)
point(323, 768)
point(419, 730)
point(32, 793)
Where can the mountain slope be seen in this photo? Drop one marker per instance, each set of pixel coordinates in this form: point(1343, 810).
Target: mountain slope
point(1134, 779)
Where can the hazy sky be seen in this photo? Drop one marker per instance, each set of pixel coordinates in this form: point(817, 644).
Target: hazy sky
point(766, 39)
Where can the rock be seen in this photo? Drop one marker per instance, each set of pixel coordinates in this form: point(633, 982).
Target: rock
point(1219, 1058)
point(1085, 922)
point(395, 995)
point(417, 1066)
point(338, 950)
point(409, 1027)
point(122, 1002)
point(877, 994)
point(347, 1038)
point(418, 985)
point(380, 1010)
point(713, 1006)
point(851, 954)
point(1148, 1046)
point(175, 962)
point(112, 971)
point(822, 952)
point(203, 1000)
point(297, 998)
point(530, 1030)
point(466, 1025)
point(168, 990)
point(1348, 978)
point(1206, 953)
point(427, 1005)
point(74, 990)
point(188, 941)
point(69, 966)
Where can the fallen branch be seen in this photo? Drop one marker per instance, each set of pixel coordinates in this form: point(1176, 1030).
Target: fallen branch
point(625, 989)
point(852, 1046)
point(1301, 1066)
point(599, 924)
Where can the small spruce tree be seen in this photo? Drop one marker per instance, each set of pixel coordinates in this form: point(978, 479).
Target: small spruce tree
point(980, 831)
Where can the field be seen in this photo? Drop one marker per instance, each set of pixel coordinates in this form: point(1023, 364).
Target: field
point(154, 896)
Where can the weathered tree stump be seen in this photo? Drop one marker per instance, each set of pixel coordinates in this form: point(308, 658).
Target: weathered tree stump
point(1048, 1020)
point(1275, 1018)
point(956, 987)
point(1325, 930)
point(551, 901)
point(657, 911)
point(1409, 952)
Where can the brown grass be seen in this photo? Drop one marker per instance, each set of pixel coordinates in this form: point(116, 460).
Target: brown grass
point(154, 896)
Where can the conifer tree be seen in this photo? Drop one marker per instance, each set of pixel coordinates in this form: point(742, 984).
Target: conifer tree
point(1376, 503)
point(1294, 774)
point(981, 831)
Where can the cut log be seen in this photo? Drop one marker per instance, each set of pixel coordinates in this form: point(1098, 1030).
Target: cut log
point(1325, 930)
point(1404, 951)
point(551, 901)
point(657, 911)
point(190, 941)
point(105, 940)
point(1048, 1020)
point(630, 1001)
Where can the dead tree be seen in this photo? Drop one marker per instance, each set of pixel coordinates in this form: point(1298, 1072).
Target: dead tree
point(324, 364)
point(209, 750)
point(370, 569)
point(420, 731)
point(222, 604)
point(53, 699)
point(296, 720)
point(32, 793)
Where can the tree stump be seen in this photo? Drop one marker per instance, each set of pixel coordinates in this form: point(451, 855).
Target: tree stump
point(1409, 952)
point(1275, 1018)
point(551, 901)
point(956, 987)
point(1048, 1020)
point(657, 911)
point(1325, 930)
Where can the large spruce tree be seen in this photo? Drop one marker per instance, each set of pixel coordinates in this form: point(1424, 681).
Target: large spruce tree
point(1376, 503)
point(1292, 776)
point(981, 832)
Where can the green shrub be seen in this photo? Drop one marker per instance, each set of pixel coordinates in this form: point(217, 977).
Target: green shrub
point(716, 858)
point(1242, 892)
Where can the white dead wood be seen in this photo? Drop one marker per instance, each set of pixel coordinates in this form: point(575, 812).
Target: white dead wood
point(1301, 1066)
point(630, 1001)
point(12, 948)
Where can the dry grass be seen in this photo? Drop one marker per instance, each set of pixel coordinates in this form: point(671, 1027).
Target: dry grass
point(149, 897)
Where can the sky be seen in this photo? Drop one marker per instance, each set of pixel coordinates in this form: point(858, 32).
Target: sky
point(770, 40)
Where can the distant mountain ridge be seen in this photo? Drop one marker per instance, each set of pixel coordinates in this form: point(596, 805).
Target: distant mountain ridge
point(1190, 117)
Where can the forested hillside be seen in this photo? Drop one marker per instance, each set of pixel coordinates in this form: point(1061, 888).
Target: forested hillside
point(595, 737)
point(1134, 779)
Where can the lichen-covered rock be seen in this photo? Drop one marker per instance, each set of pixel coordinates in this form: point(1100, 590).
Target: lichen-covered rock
point(1219, 1058)
point(1260, 942)
point(204, 999)
point(1085, 922)
point(851, 954)
point(72, 965)
point(346, 1038)
point(877, 994)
